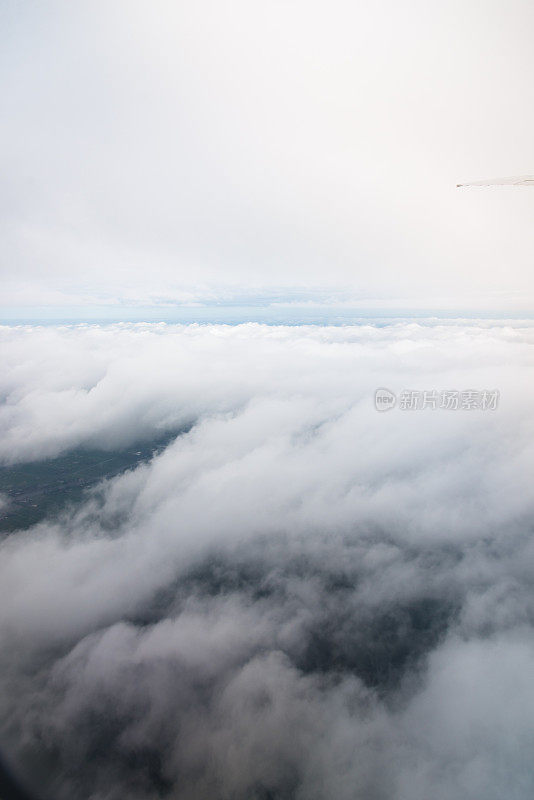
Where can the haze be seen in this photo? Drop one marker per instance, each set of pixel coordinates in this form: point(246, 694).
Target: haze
point(161, 153)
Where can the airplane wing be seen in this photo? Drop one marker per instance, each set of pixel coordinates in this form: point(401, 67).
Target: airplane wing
point(522, 180)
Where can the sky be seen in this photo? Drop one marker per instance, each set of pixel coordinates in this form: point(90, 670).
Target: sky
point(156, 154)
point(295, 596)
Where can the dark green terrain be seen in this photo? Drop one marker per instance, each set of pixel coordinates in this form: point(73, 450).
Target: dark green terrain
point(41, 489)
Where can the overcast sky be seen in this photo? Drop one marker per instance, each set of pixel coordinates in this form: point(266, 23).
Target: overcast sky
point(160, 152)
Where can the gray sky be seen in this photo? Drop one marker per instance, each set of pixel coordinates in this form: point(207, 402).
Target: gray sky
point(155, 152)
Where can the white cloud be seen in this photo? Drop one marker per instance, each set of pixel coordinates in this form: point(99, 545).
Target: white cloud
point(300, 595)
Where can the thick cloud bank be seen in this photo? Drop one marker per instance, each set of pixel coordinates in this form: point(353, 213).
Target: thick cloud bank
point(300, 597)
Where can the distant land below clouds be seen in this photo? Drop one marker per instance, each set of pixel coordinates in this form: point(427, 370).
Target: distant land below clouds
point(267, 314)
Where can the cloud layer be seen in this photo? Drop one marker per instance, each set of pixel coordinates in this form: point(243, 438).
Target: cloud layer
point(299, 597)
